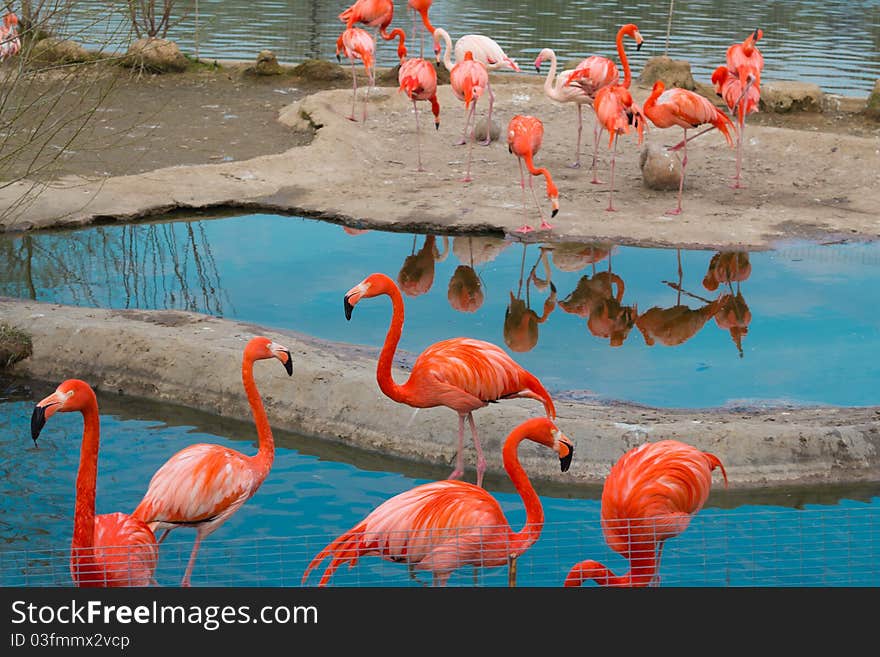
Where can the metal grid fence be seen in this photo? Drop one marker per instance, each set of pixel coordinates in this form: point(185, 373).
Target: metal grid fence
point(827, 547)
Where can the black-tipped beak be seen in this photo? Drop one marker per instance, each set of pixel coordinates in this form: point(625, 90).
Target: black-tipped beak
point(348, 308)
point(552, 287)
point(755, 34)
point(639, 45)
point(538, 68)
point(555, 210)
point(565, 461)
point(38, 421)
point(288, 364)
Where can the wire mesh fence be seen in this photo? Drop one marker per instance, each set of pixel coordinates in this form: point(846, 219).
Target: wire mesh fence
point(827, 547)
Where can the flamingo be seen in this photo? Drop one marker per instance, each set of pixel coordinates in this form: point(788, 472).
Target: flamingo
point(524, 136)
point(686, 109)
point(485, 50)
point(593, 73)
point(468, 78)
point(747, 54)
point(358, 44)
point(10, 42)
point(650, 496)
point(418, 80)
point(377, 14)
point(742, 96)
point(203, 485)
point(420, 8)
point(460, 373)
point(112, 549)
point(444, 525)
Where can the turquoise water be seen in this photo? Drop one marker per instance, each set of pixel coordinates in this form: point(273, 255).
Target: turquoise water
point(809, 310)
point(834, 44)
point(315, 491)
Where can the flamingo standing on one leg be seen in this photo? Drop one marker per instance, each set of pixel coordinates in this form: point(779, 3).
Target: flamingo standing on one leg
point(468, 78)
point(203, 485)
point(444, 525)
point(686, 109)
point(460, 373)
point(650, 496)
point(524, 136)
point(10, 42)
point(358, 44)
point(420, 8)
point(112, 549)
point(377, 14)
point(418, 80)
point(485, 50)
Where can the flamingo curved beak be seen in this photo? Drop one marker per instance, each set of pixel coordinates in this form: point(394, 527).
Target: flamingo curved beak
point(42, 412)
point(283, 354)
point(348, 307)
point(567, 447)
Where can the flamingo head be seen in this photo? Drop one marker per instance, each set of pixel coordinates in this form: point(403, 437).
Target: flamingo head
point(260, 348)
point(719, 75)
point(372, 286)
point(632, 30)
point(70, 395)
point(437, 46)
point(10, 19)
point(564, 447)
point(553, 195)
point(540, 59)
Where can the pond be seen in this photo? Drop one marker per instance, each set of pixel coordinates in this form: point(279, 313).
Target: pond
point(316, 490)
point(834, 44)
point(796, 325)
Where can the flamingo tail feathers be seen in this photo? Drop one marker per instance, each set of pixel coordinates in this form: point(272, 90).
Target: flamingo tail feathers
point(344, 549)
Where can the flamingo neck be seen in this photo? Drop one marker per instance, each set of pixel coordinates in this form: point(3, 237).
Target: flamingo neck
point(447, 50)
point(621, 52)
point(551, 84)
point(383, 369)
point(641, 573)
point(531, 531)
point(86, 479)
point(266, 444)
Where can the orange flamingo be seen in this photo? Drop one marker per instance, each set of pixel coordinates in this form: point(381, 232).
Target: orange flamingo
point(418, 80)
point(444, 525)
point(112, 549)
point(650, 496)
point(202, 485)
point(10, 42)
point(747, 54)
point(377, 14)
point(485, 50)
point(468, 79)
point(524, 136)
point(687, 109)
point(593, 73)
point(358, 44)
point(460, 373)
point(420, 8)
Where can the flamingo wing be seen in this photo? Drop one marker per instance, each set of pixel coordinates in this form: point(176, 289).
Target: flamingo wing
point(125, 553)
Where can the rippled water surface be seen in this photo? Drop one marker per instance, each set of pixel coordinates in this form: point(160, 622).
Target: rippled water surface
point(835, 44)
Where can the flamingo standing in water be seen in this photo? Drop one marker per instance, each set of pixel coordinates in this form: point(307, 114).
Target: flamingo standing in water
point(358, 44)
point(468, 78)
point(687, 109)
point(485, 50)
point(524, 136)
point(203, 485)
point(377, 14)
point(420, 8)
point(418, 80)
point(444, 525)
point(593, 73)
point(650, 496)
point(10, 42)
point(460, 373)
point(112, 549)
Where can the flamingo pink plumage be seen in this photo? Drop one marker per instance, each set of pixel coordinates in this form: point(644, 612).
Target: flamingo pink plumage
point(357, 43)
point(377, 14)
point(418, 80)
point(524, 136)
point(460, 373)
point(468, 78)
point(686, 109)
point(650, 496)
point(419, 8)
point(203, 485)
point(10, 41)
point(111, 549)
point(747, 54)
point(444, 525)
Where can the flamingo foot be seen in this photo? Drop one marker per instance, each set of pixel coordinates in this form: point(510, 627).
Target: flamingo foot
point(485, 142)
point(674, 212)
point(737, 185)
point(524, 229)
point(351, 118)
point(466, 179)
point(545, 226)
point(610, 208)
point(460, 142)
point(596, 181)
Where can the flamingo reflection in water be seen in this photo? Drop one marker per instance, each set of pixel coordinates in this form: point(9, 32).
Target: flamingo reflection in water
point(520, 321)
point(416, 275)
point(729, 267)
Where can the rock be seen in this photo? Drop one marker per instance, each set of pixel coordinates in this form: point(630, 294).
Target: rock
point(155, 55)
point(318, 70)
point(267, 64)
point(52, 50)
point(15, 345)
point(661, 169)
point(673, 72)
point(784, 96)
point(480, 130)
point(872, 109)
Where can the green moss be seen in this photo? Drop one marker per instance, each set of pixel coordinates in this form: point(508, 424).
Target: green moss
point(15, 345)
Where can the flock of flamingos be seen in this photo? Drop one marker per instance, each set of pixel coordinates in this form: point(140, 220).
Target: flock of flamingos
point(649, 496)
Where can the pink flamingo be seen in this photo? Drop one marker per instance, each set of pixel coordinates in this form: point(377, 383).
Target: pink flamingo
point(593, 73)
point(420, 8)
point(741, 95)
point(418, 80)
point(444, 525)
point(485, 50)
point(358, 44)
point(747, 54)
point(650, 496)
point(377, 14)
point(686, 109)
point(468, 79)
point(10, 42)
point(203, 485)
point(460, 373)
point(524, 136)
point(112, 549)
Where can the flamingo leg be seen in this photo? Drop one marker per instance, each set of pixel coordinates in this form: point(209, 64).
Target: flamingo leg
point(610, 207)
point(370, 84)
point(526, 227)
point(354, 91)
point(459, 457)
point(597, 132)
point(577, 160)
point(418, 136)
point(481, 460)
point(684, 160)
point(164, 536)
point(467, 176)
point(488, 138)
point(511, 571)
point(739, 143)
point(192, 560)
